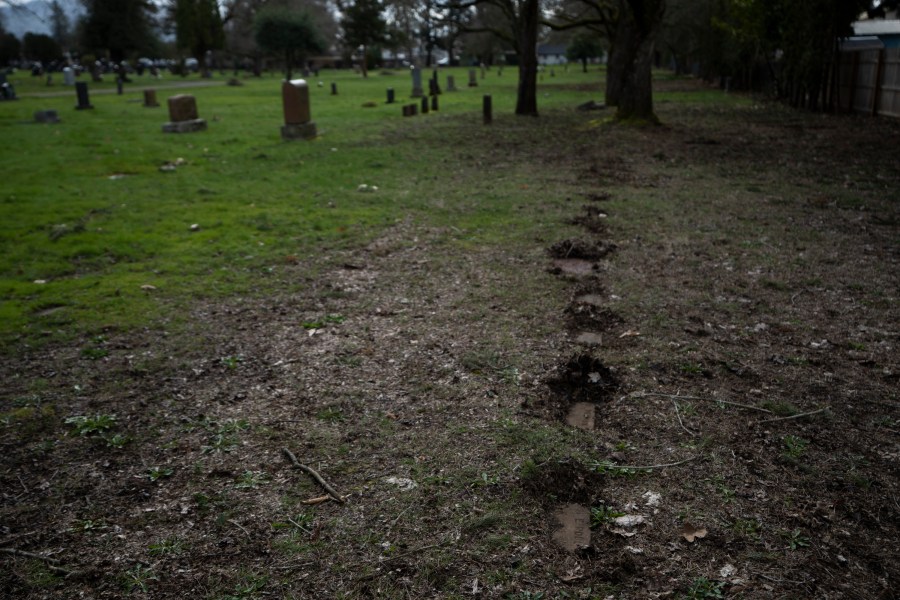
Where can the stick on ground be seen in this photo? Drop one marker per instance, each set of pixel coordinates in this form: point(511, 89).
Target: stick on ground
point(312, 473)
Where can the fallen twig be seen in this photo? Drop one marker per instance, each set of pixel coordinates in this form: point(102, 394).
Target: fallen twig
point(52, 563)
point(239, 526)
point(312, 473)
point(716, 400)
point(680, 422)
point(806, 414)
point(650, 467)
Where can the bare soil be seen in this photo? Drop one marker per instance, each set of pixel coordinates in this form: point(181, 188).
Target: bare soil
point(738, 273)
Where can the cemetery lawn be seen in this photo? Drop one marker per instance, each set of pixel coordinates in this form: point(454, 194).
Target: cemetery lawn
point(414, 308)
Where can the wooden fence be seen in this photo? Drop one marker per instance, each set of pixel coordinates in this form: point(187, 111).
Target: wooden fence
point(868, 82)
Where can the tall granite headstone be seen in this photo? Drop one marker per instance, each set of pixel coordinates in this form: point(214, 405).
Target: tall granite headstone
point(297, 121)
point(417, 83)
point(81, 91)
point(68, 76)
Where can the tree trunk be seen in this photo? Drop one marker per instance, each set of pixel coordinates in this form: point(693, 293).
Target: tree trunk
point(365, 60)
point(526, 100)
point(629, 79)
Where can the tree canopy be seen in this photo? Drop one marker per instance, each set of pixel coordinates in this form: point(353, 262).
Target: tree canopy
point(289, 33)
point(118, 27)
point(364, 25)
point(198, 27)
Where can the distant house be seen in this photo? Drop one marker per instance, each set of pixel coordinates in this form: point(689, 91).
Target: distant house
point(868, 74)
point(552, 54)
point(886, 31)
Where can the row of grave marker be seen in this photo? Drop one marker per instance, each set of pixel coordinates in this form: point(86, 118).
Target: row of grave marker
point(295, 99)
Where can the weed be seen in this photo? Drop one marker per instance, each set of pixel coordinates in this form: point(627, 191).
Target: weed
point(138, 578)
point(600, 515)
point(115, 441)
point(84, 425)
point(486, 480)
point(168, 547)
point(690, 368)
point(232, 362)
point(300, 521)
point(249, 587)
point(746, 528)
point(94, 353)
point(251, 480)
point(794, 446)
point(702, 588)
point(780, 408)
point(605, 467)
point(157, 473)
point(220, 442)
point(727, 493)
point(795, 539)
point(85, 525)
point(331, 414)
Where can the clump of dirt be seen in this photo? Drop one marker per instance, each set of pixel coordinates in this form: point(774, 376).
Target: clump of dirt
point(592, 218)
point(590, 316)
point(582, 379)
point(580, 249)
point(565, 481)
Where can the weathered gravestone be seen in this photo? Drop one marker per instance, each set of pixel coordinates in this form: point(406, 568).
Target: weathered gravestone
point(435, 85)
point(473, 78)
point(297, 121)
point(7, 91)
point(574, 531)
point(486, 109)
point(68, 76)
point(451, 83)
point(416, 83)
point(81, 91)
point(334, 89)
point(46, 116)
point(424, 105)
point(434, 103)
point(390, 95)
point(150, 99)
point(183, 115)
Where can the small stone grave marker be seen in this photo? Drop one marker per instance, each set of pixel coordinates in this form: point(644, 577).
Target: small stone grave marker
point(68, 76)
point(81, 92)
point(183, 115)
point(589, 338)
point(473, 78)
point(334, 89)
point(424, 105)
point(581, 416)
point(434, 103)
point(574, 532)
point(150, 99)
point(487, 110)
point(297, 121)
point(46, 116)
point(390, 95)
point(416, 83)
point(451, 83)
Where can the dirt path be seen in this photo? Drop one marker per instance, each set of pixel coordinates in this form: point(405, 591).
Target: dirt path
point(698, 356)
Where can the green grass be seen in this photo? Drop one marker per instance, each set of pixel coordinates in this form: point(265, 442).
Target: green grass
point(94, 237)
point(90, 223)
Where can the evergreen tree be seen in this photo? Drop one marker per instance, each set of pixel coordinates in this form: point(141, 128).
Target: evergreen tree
point(364, 26)
point(289, 33)
point(198, 27)
point(118, 27)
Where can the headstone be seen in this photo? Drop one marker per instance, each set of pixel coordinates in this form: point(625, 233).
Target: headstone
point(119, 85)
point(46, 116)
point(81, 91)
point(416, 83)
point(436, 85)
point(473, 78)
point(487, 109)
point(451, 83)
point(434, 103)
point(183, 115)
point(334, 89)
point(406, 111)
point(49, 79)
point(235, 82)
point(150, 99)
point(574, 532)
point(413, 110)
point(68, 76)
point(424, 105)
point(390, 95)
point(297, 121)
point(483, 70)
point(7, 91)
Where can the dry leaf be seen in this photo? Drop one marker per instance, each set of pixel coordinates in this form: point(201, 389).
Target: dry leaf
point(691, 533)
